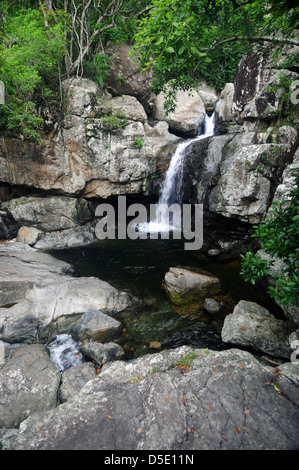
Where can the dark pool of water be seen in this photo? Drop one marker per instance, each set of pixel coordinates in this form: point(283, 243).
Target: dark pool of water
point(139, 267)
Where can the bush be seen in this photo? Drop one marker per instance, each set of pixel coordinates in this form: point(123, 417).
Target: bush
point(278, 236)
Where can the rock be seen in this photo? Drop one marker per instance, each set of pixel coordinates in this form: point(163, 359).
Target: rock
point(257, 95)
point(82, 157)
point(49, 213)
point(29, 383)
point(80, 95)
point(102, 353)
point(128, 106)
point(56, 308)
point(78, 236)
point(244, 188)
point(155, 345)
point(188, 116)
point(95, 325)
point(47, 299)
point(29, 235)
point(223, 110)
point(227, 401)
point(252, 326)
point(8, 226)
point(212, 306)
point(184, 286)
point(126, 77)
point(23, 267)
point(74, 379)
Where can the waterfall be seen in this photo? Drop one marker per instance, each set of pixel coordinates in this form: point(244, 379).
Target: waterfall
point(172, 188)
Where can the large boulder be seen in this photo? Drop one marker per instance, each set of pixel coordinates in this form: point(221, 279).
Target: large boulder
point(189, 113)
point(125, 77)
point(55, 308)
point(252, 326)
point(185, 286)
point(227, 400)
point(29, 383)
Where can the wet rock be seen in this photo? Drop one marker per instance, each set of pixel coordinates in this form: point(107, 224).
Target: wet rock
point(102, 352)
point(97, 326)
point(212, 306)
point(252, 326)
point(184, 286)
point(29, 383)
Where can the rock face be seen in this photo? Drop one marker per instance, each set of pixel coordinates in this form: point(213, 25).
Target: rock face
point(29, 383)
point(93, 152)
point(227, 400)
point(49, 213)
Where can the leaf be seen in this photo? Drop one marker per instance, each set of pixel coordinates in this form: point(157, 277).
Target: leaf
point(108, 416)
point(169, 49)
point(208, 405)
point(168, 400)
point(236, 429)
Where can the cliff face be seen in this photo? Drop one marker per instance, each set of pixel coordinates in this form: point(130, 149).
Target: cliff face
point(235, 174)
point(108, 146)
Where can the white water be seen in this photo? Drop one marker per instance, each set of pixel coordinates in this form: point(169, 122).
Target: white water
point(171, 192)
point(64, 352)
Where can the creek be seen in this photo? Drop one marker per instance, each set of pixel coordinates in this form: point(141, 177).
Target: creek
point(139, 266)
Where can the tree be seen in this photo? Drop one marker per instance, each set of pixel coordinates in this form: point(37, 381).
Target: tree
point(30, 53)
point(278, 236)
point(187, 40)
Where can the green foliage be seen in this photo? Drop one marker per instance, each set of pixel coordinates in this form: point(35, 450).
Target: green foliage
point(98, 69)
point(112, 120)
point(278, 236)
point(30, 54)
point(188, 40)
point(138, 142)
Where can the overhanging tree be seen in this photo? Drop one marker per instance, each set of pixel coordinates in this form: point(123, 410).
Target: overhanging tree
point(187, 40)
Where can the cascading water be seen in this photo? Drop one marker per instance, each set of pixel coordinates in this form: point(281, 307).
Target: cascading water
point(171, 192)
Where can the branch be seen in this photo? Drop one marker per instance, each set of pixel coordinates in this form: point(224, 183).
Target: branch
point(252, 39)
